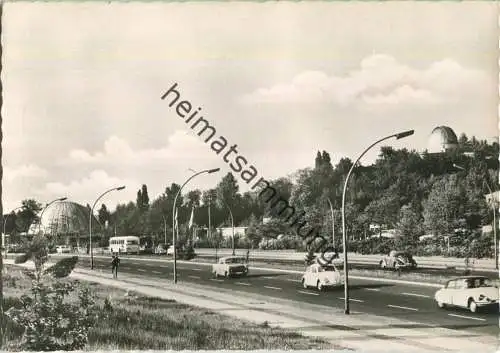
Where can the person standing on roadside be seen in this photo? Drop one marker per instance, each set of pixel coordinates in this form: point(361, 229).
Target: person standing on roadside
point(114, 265)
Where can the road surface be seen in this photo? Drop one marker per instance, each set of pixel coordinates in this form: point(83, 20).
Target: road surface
point(410, 302)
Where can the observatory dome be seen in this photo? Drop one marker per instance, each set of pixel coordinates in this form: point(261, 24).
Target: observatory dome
point(442, 139)
point(64, 218)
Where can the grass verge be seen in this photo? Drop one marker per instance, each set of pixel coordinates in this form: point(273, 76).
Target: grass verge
point(136, 322)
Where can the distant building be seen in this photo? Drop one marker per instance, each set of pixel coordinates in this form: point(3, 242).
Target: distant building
point(442, 139)
point(227, 232)
point(493, 198)
point(68, 222)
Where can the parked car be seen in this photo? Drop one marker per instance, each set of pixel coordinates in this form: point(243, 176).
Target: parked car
point(170, 250)
point(398, 260)
point(469, 292)
point(61, 249)
point(321, 277)
point(160, 250)
point(230, 266)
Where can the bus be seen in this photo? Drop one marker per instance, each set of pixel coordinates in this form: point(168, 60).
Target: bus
point(124, 245)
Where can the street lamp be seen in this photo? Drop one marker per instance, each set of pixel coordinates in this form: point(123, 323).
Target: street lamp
point(493, 204)
point(344, 233)
point(333, 221)
point(47, 206)
point(90, 223)
point(207, 171)
point(232, 221)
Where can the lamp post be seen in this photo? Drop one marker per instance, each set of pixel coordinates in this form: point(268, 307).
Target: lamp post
point(90, 223)
point(333, 221)
point(165, 229)
point(207, 171)
point(232, 223)
point(47, 206)
point(344, 233)
point(493, 206)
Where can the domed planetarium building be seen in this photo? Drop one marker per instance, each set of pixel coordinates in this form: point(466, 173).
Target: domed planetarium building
point(442, 139)
point(68, 222)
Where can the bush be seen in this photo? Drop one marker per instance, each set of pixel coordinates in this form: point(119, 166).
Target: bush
point(50, 323)
point(188, 253)
point(47, 319)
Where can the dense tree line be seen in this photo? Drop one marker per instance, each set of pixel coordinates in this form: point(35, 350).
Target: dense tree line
point(410, 193)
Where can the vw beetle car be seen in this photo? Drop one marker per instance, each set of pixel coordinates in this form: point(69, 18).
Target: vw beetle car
point(398, 260)
point(321, 277)
point(469, 292)
point(230, 266)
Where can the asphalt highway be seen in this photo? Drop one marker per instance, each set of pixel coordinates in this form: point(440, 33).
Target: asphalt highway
point(405, 302)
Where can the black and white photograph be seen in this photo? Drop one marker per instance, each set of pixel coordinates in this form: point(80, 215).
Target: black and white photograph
point(249, 175)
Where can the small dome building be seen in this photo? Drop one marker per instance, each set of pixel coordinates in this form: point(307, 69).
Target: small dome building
point(442, 139)
point(68, 221)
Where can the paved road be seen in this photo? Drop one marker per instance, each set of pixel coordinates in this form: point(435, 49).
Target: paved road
point(414, 303)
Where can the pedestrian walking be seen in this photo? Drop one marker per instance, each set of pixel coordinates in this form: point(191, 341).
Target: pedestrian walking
point(248, 254)
point(114, 265)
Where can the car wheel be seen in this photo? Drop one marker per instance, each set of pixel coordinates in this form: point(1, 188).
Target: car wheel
point(319, 286)
point(226, 274)
point(304, 283)
point(472, 306)
point(382, 265)
point(214, 273)
point(441, 304)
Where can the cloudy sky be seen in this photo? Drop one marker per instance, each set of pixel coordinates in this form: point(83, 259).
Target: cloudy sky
point(82, 85)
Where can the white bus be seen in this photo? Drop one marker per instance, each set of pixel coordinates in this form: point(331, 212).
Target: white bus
point(124, 245)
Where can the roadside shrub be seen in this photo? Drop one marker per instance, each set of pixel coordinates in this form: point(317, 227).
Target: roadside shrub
point(47, 318)
point(189, 253)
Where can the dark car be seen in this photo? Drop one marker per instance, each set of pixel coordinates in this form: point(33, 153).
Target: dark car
point(398, 260)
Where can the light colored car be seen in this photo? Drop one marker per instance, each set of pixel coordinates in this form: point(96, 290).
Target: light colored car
point(170, 250)
point(321, 277)
point(398, 260)
point(230, 266)
point(469, 292)
point(61, 249)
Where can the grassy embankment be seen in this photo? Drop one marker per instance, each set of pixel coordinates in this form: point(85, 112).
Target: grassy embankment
point(139, 323)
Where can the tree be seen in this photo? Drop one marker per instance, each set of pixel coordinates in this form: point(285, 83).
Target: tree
point(409, 226)
point(103, 215)
point(227, 191)
point(28, 214)
point(143, 198)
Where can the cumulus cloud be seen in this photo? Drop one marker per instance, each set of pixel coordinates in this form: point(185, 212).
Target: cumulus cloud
point(87, 189)
point(380, 80)
point(24, 171)
point(180, 145)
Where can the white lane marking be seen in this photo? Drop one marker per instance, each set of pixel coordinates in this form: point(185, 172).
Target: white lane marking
point(275, 288)
point(293, 280)
point(416, 295)
point(197, 269)
point(243, 284)
point(310, 293)
point(467, 317)
point(354, 300)
point(402, 307)
point(194, 276)
point(181, 268)
point(163, 266)
point(216, 280)
point(140, 269)
point(156, 272)
point(373, 289)
point(267, 277)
